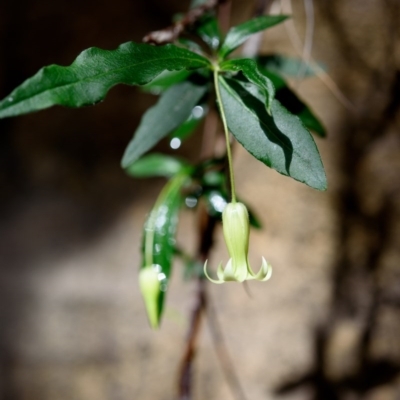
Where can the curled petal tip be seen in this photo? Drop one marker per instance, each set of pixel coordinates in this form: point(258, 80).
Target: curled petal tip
point(219, 271)
point(266, 270)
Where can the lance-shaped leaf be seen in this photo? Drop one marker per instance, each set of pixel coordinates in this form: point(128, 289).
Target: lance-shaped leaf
point(159, 247)
point(293, 103)
point(253, 74)
point(240, 33)
point(87, 80)
point(189, 126)
point(157, 165)
point(279, 140)
point(173, 108)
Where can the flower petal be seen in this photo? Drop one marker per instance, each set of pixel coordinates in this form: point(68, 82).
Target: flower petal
point(220, 272)
point(208, 277)
point(265, 271)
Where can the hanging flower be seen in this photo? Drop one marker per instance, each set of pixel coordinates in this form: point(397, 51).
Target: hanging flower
point(235, 222)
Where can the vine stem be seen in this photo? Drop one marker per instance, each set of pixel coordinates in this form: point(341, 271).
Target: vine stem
point(227, 139)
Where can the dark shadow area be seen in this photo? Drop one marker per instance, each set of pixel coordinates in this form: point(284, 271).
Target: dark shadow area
point(356, 352)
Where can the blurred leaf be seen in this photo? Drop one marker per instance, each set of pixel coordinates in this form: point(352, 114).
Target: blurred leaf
point(156, 165)
point(165, 80)
point(190, 45)
point(240, 33)
point(251, 72)
point(280, 140)
point(208, 30)
point(159, 241)
point(284, 65)
point(253, 219)
point(217, 199)
point(193, 267)
point(197, 3)
point(190, 125)
point(171, 110)
point(214, 179)
point(87, 80)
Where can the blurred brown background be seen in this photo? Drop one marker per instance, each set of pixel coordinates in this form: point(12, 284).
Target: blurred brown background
point(72, 324)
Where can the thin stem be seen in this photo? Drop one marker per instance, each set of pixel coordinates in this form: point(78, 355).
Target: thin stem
point(228, 144)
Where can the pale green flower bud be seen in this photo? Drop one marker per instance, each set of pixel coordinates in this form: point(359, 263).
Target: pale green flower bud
point(235, 222)
point(150, 286)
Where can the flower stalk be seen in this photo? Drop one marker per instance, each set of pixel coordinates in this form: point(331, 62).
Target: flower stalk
point(227, 139)
point(235, 222)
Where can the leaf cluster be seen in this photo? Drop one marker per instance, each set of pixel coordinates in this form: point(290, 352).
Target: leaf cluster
point(264, 115)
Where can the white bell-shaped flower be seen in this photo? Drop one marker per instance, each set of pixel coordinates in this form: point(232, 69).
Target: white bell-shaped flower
point(235, 223)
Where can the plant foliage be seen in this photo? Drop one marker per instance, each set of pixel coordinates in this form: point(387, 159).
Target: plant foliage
point(262, 112)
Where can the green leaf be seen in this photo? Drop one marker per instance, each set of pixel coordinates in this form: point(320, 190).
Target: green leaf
point(189, 126)
point(156, 165)
point(285, 65)
point(165, 80)
point(293, 103)
point(276, 79)
point(297, 107)
point(208, 30)
point(252, 73)
point(310, 120)
point(172, 109)
point(87, 80)
point(159, 242)
point(280, 140)
point(214, 179)
point(240, 33)
point(193, 268)
point(253, 218)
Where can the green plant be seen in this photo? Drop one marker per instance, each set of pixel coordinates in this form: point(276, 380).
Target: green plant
point(193, 75)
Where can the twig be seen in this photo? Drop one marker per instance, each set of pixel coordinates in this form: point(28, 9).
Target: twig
point(171, 33)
